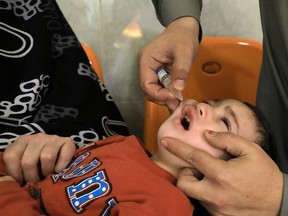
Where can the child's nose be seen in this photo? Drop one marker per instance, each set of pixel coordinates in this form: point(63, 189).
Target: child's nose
point(203, 109)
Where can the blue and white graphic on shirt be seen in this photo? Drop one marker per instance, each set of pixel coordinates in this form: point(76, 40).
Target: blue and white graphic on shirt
point(88, 189)
point(110, 204)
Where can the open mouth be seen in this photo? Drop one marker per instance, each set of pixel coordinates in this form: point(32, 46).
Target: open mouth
point(185, 122)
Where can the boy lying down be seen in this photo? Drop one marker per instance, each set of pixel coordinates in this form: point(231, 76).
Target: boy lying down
point(118, 176)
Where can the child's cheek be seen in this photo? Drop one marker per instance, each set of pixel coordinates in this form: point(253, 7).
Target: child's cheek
point(165, 131)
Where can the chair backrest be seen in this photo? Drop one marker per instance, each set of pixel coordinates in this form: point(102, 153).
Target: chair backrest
point(224, 68)
point(94, 60)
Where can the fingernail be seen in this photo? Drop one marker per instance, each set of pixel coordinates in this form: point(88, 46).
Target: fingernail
point(211, 133)
point(179, 84)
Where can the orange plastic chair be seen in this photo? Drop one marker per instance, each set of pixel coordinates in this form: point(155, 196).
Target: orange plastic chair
point(94, 60)
point(224, 68)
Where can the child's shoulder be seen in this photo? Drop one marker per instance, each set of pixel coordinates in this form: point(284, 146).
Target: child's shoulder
point(108, 141)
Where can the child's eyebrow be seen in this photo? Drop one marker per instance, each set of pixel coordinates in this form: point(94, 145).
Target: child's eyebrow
point(234, 116)
point(209, 101)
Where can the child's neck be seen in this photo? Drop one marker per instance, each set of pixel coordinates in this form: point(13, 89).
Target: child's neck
point(173, 170)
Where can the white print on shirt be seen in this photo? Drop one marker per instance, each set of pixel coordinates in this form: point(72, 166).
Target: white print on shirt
point(25, 39)
point(18, 112)
point(87, 136)
point(103, 88)
point(84, 137)
point(86, 70)
point(48, 112)
point(21, 8)
point(7, 138)
point(109, 122)
point(33, 92)
point(59, 43)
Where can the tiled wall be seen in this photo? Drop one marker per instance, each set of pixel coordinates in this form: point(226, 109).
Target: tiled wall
point(117, 29)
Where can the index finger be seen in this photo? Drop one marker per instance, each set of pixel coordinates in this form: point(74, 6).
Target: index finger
point(181, 69)
point(65, 156)
point(234, 144)
point(12, 158)
point(196, 158)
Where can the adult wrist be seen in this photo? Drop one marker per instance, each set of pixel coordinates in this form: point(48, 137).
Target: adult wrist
point(189, 23)
point(170, 10)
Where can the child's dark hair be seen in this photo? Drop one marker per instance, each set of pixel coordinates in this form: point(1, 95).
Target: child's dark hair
point(266, 137)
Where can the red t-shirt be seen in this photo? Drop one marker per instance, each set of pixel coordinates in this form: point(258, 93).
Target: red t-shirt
point(114, 176)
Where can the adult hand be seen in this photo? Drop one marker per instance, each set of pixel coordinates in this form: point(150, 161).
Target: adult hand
point(249, 184)
point(174, 49)
point(31, 156)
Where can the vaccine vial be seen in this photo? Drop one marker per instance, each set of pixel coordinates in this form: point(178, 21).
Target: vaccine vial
point(165, 79)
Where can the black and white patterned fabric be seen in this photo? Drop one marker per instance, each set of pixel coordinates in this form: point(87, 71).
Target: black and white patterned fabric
point(46, 83)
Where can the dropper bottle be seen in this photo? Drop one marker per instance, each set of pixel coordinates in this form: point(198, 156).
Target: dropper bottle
point(165, 79)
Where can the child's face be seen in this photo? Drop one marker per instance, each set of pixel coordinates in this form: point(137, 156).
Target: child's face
point(191, 119)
